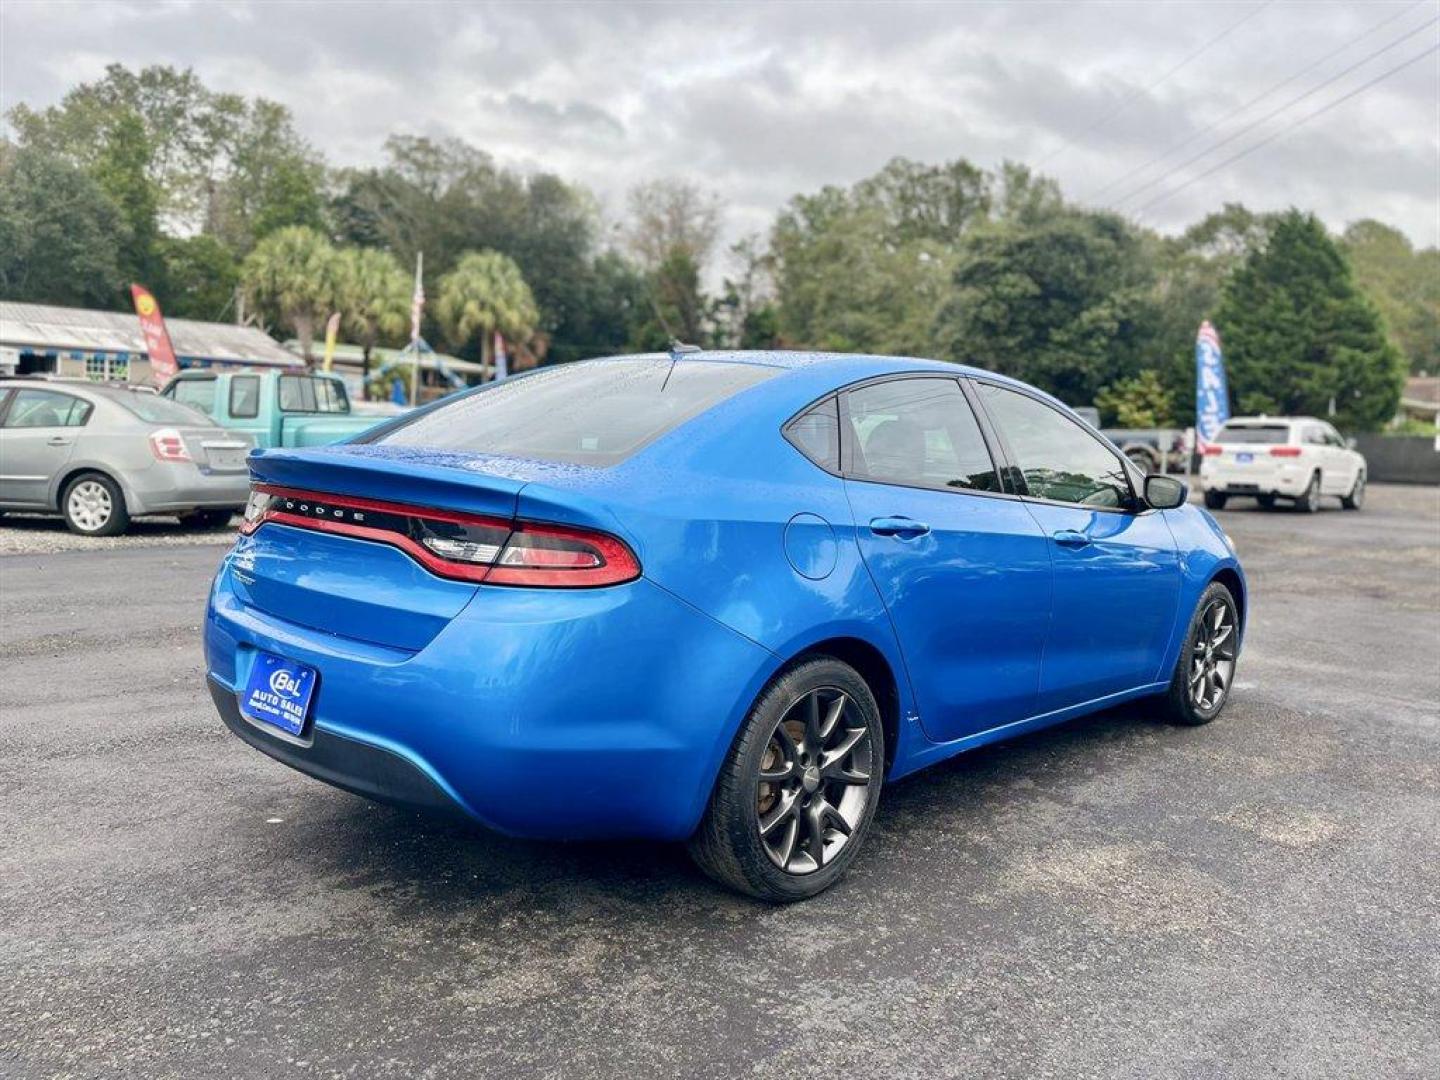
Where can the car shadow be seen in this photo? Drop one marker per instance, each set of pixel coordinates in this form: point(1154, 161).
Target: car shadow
point(431, 866)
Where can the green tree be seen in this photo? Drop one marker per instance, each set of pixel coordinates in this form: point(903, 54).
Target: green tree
point(1060, 302)
point(60, 235)
point(1404, 285)
point(1188, 274)
point(372, 293)
point(120, 170)
point(200, 277)
point(483, 295)
point(1298, 334)
point(1140, 401)
point(217, 163)
point(290, 276)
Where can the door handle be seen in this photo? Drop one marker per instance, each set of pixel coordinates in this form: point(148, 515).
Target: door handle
point(902, 528)
point(1071, 539)
point(57, 440)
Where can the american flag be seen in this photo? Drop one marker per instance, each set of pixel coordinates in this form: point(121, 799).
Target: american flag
point(417, 302)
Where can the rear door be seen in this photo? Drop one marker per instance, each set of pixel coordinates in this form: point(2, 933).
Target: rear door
point(1116, 569)
point(36, 440)
point(961, 566)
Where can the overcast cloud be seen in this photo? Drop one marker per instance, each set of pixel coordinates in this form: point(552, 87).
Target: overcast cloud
point(758, 102)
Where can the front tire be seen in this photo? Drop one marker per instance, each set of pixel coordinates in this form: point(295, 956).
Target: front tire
point(94, 505)
point(1356, 499)
point(1205, 669)
point(1214, 500)
point(799, 789)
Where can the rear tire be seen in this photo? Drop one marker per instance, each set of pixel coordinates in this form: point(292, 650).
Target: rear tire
point(1214, 500)
point(815, 731)
point(1356, 499)
point(207, 519)
point(93, 505)
point(1205, 669)
point(1309, 500)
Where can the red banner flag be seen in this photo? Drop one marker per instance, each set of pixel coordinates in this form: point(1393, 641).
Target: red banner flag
point(157, 339)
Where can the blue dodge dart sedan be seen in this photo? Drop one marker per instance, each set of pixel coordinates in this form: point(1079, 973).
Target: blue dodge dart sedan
point(720, 598)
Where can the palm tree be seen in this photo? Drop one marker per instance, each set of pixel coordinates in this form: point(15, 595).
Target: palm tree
point(372, 294)
point(291, 274)
point(485, 294)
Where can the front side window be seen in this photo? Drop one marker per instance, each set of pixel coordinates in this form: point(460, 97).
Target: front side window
point(919, 433)
point(197, 393)
point(595, 413)
point(1314, 436)
point(1058, 459)
point(46, 409)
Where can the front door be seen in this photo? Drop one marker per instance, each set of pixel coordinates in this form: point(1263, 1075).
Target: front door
point(963, 569)
point(1116, 568)
point(36, 440)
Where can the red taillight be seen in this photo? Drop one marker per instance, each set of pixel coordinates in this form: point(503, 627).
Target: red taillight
point(1212, 451)
point(467, 547)
point(167, 445)
point(1285, 451)
point(555, 555)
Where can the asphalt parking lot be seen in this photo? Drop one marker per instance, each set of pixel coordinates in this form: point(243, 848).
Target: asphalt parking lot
point(1260, 897)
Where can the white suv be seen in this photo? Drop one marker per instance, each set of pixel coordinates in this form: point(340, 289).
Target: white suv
point(1282, 457)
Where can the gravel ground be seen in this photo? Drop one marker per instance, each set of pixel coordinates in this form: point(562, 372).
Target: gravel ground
point(1112, 898)
point(33, 534)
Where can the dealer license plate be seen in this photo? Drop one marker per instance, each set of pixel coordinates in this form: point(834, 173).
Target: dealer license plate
point(1244, 459)
point(278, 692)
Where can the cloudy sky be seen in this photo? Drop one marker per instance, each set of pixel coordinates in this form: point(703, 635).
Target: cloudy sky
point(758, 102)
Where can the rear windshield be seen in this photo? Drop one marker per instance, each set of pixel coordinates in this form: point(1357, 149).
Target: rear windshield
point(154, 409)
point(595, 413)
point(1254, 433)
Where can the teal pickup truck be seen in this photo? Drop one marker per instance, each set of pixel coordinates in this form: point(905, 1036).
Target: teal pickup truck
point(275, 409)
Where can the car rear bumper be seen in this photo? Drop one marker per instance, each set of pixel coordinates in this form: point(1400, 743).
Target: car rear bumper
point(583, 714)
point(166, 488)
point(1287, 480)
point(355, 766)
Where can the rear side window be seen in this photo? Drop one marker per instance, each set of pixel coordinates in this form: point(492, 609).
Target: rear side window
point(1059, 459)
point(816, 434)
point(919, 433)
point(244, 397)
point(154, 409)
point(197, 393)
point(304, 393)
point(46, 409)
point(1254, 433)
point(595, 413)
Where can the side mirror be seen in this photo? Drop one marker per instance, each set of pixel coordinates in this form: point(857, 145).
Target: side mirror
point(1165, 492)
point(1350, 443)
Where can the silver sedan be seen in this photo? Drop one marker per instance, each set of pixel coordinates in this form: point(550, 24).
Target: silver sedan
point(101, 454)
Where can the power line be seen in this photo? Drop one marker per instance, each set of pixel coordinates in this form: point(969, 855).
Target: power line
point(1270, 115)
point(1135, 173)
point(1125, 101)
point(1275, 135)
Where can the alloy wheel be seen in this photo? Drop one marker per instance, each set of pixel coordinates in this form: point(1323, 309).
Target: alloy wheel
point(1212, 662)
point(89, 505)
point(814, 781)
